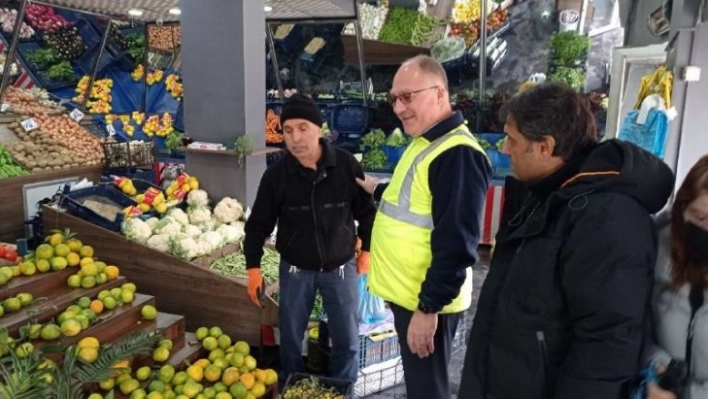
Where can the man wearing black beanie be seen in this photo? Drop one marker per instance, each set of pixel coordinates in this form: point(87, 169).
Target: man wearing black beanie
point(312, 195)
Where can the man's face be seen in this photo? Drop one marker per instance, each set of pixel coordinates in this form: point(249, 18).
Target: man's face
point(302, 137)
point(529, 159)
point(417, 99)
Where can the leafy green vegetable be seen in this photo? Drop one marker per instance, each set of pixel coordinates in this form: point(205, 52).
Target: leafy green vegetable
point(573, 77)
point(44, 57)
point(61, 72)
point(174, 140)
point(448, 49)
point(408, 26)
point(484, 144)
point(396, 139)
point(374, 139)
point(136, 46)
point(570, 46)
point(374, 159)
point(500, 144)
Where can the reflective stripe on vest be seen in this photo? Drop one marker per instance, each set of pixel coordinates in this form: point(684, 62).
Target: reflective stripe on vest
point(401, 212)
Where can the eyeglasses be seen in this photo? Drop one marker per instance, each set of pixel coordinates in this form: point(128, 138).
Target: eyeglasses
point(406, 98)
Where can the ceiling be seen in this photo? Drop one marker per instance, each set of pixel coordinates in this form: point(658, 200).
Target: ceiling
point(154, 10)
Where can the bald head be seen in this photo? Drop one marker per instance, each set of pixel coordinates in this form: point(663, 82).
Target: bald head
point(428, 66)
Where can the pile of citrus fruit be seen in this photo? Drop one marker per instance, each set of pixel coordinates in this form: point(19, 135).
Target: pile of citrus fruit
point(14, 304)
point(228, 372)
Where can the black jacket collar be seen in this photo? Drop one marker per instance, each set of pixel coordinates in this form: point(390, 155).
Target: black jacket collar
point(445, 126)
point(328, 158)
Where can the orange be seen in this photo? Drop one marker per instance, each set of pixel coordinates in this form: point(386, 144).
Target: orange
point(96, 306)
point(247, 380)
point(260, 375)
point(73, 259)
point(112, 272)
point(230, 376)
point(85, 260)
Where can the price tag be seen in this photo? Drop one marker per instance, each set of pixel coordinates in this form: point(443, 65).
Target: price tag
point(76, 115)
point(4, 107)
point(110, 129)
point(29, 124)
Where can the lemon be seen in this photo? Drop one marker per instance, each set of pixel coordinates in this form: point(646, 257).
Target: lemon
point(215, 332)
point(210, 343)
point(258, 389)
point(88, 282)
point(74, 281)
point(242, 348)
point(88, 342)
point(212, 373)
point(166, 373)
point(58, 263)
point(62, 250)
point(161, 355)
point(223, 395)
point(103, 294)
point(224, 341)
point(271, 377)
point(143, 373)
point(128, 386)
point(250, 362)
point(129, 287)
point(4, 279)
point(201, 333)
point(44, 251)
point(138, 394)
point(12, 305)
point(25, 298)
point(167, 343)
point(43, 265)
point(88, 354)
point(70, 327)
point(85, 260)
point(149, 312)
point(179, 378)
point(50, 332)
point(95, 396)
point(221, 363)
point(101, 278)
point(73, 259)
point(28, 268)
point(230, 376)
point(108, 384)
point(155, 395)
point(110, 303)
point(16, 270)
point(24, 350)
point(216, 354)
point(86, 251)
point(195, 373)
point(89, 269)
point(74, 244)
point(237, 360)
point(56, 239)
point(101, 266)
point(127, 296)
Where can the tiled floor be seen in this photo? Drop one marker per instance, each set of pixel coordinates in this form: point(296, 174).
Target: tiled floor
point(455, 370)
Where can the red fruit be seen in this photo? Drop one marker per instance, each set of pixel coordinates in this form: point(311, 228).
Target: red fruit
point(2, 251)
point(10, 254)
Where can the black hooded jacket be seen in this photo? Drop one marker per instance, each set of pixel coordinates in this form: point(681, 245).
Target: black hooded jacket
point(562, 311)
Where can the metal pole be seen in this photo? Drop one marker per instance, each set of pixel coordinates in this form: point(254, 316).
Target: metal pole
point(96, 62)
point(583, 15)
point(145, 66)
point(360, 51)
point(13, 47)
point(274, 61)
point(482, 62)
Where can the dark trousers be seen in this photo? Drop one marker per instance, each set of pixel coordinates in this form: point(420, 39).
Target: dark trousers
point(426, 378)
point(340, 298)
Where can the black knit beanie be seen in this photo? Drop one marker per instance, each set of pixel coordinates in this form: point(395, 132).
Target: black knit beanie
point(301, 106)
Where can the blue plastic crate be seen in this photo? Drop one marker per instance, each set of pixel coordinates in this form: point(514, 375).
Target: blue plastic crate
point(127, 94)
point(86, 61)
point(88, 34)
point(179, 118)
point(350, 120)
point(71, 16)
point(290, 43)
point(27, 48)
point(73, 202)
point(455, 69)
point(51, 85)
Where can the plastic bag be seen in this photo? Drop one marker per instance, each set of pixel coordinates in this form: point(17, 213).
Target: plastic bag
point(650, 134)
point(371, 308)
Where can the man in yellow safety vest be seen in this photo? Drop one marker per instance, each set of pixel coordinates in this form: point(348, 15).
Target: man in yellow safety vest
point(427, 229)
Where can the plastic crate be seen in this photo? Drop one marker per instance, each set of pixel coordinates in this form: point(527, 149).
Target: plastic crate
point(350, 120)
point(371, 382)
point(120, 155)
point(342, 387)
point(178, 124)
point(86, 61)
point(27, 48)
point(291, 42)
point(378, 348)
point(52, 85)
point(73, 202)
point(455, 69)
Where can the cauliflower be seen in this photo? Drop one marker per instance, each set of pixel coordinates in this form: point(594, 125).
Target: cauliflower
point(204, 246)
point(228, 210)
point(198, 198)
point(179, 216)
point(152, 222)
point(199, 214)
point(192, 230)
point(184, 246)
point(209, 225)
point(231, 233)
point(213, 238)
point(135, 229)
point(167, 226)
point(160, 242)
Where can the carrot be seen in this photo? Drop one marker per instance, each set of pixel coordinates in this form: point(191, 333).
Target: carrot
point(272, 128)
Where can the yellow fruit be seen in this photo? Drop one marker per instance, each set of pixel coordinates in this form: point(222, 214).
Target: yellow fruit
point(128, 386)
point(88, 355)
point(44, 251)
point(195, 373)
point(167, 343)
point(249, 396)
point(62, 250)
point(88, 282)
point(223, 395)
point(221, 363)
point(25, 298)
point(96, 306)
point(161, 208)
point(83, 320)
point(73, 259)
point(127, 296)
point(12, 305)
point(166, 373)
point(43, 265)
point(144, 208)
point(215, 332)
point(203, 363)
point(210, 343)
point(74, 281)
point(70, 328)
point(230, 376)
point(212, 373)
point(155, 395)
point(27, 268)
point(86, 251)
point(89, 269)
point(115, 293)
point(16, 270)
point(237, 359)
point(74, 245)
point(129, 287)
point(242, 348)
point(138, 394)
point(103, 295)
point(109, 303)
point(201, 333)
point(258, 389)
point(88, 342)
point(248, 380)
point(216, 354)
point(24, 350)
point(56, 239)
point(161, 355)
point(260, 375)
point(85, 260)
point(108, 384)
point(112, 272)
point(271, 377)
point(143, 373)
point(149, 312)
point(58, 263)
point(193, 184)
point(250, 362)
point(238, 390)
point(4, 278)
point(101, 278)
point(50, 332)
point(140, 198)
point(224, 341)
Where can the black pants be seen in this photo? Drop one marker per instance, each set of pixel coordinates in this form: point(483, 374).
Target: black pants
point(426, 378)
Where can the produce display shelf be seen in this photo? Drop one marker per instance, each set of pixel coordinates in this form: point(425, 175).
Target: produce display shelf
point(179, 118)
point(86, 61)
point(72, 201)
point(350, 120)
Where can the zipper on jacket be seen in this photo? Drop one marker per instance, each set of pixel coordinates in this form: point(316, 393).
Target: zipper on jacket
point(541, 338)
point(314, 220)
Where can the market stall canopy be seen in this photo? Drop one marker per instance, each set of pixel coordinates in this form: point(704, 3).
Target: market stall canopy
point(154, 10)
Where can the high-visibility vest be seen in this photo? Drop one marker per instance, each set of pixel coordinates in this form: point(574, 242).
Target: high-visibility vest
point(400, 242)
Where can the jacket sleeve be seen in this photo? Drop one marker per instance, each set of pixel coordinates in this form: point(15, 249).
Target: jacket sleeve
point(379, 190)
point(261, 222)
point(458, 179)
point(364, 209)
point(607, 265)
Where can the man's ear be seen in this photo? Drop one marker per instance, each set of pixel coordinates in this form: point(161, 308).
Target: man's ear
point(547, 146)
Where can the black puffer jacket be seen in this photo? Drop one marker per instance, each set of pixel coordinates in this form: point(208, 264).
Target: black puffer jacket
point(562, 310)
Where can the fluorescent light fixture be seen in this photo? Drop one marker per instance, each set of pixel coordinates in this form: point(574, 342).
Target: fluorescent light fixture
point(268, 8)
point(135, 12)
point(175, 11)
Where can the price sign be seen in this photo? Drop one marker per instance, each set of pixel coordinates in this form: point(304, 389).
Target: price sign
point(29, 124)
point(110, 129)
point(4, 107)
point(76, 115)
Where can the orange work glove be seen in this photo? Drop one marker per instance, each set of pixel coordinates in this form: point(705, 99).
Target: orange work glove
point(255, 285)
point(363, 261)
point(357, 247)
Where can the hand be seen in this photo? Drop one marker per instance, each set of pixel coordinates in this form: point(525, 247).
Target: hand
point(421, 332)
point(363, 261)
point(368, 183)
point(654, 392)
point(255, 285)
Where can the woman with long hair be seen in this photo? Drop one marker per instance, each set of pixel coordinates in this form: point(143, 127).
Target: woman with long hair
point(680, 353)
